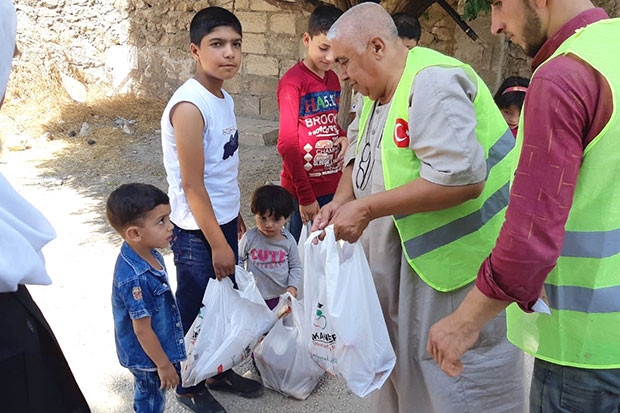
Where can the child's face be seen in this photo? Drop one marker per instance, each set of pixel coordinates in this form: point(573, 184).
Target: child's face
point(318, 47)
point(219, 54)
point(511, 114)
point(269, 226)
point(155, 228)
point(409, 43)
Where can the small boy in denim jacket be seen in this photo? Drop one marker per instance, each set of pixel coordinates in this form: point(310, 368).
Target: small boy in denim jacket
point(147, 324)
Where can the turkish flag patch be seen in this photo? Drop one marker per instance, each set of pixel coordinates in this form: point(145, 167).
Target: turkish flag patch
point(401, 133)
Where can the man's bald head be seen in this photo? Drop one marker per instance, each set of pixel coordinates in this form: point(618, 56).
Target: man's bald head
point(361, 23)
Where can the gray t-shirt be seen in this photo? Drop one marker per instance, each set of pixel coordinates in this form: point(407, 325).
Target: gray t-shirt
point(442, 124)
point(274, 262)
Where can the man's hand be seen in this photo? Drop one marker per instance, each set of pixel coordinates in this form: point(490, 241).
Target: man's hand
point(168, 376)
point(292, 291)
point(448, 340)
point(323, 218)
point(452, 336)
point(351, 220)
point(223, 259)
point(308, 212)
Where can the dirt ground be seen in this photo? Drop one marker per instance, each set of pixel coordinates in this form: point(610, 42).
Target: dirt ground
point(68, 179)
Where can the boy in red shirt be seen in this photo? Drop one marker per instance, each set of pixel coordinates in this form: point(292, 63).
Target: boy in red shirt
point(311, 142)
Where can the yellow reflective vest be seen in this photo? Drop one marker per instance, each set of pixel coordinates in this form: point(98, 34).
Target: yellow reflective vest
point(583, 289)
point(445, 248)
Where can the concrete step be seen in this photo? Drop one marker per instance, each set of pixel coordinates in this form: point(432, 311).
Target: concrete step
point(257, 131)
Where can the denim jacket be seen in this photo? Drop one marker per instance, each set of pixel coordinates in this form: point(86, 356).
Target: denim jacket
point(141, 291)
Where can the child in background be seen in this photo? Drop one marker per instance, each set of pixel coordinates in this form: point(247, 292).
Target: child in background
point(408, 28)
point(147, 324)
point(269, 251)
point(200, 148)
point(311, 142)
point(509, 99)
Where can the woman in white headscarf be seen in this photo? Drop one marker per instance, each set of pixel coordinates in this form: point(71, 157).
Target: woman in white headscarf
point(34, 374)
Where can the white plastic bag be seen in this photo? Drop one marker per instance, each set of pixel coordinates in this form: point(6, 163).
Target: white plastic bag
point(347, 333)
point(226, 329)
point(282, 357)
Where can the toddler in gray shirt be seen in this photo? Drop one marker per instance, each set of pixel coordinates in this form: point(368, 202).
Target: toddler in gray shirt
point(269, 251)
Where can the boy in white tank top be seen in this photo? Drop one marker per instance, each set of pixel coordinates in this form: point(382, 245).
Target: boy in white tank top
point(200, 147)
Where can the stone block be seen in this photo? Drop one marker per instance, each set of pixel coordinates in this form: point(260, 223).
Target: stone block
point(261, 85)
point(254, 131)
point(283, 46)
point(269, 108)
point(443, 33)
point(253, 22)
point(234, 85)
point(242, 5)
point(247, 105)
point(254, 43)
point(282, 23)
point(261, 65)
point(261, 5)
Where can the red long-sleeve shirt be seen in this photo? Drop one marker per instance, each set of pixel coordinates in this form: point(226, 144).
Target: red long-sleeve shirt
point(308, 108)
point(567, 104)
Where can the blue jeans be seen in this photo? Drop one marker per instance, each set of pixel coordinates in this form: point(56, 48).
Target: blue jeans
point(558, 388)
point(192, 259)
point(296, 224)
point(148, 397)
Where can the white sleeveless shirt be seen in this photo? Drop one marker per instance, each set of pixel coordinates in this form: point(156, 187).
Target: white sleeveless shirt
point(221, 156)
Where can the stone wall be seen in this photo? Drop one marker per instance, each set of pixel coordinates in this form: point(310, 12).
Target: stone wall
point(111, 47)
point(95, 47)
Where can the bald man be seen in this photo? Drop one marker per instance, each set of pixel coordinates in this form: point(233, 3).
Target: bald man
point(424, 189)
point(558, 252)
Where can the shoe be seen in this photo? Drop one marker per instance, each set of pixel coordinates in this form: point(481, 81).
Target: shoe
point(202, 402)
point(231, 382)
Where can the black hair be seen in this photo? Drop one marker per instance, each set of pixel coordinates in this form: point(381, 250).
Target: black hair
point(407, 26)
point(272, 200)
point(504, 100)
point(208, 19)
point(129, 203)
point(322, 18)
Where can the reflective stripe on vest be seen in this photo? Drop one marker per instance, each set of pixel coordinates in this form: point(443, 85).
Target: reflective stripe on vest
point(583, 289)
point(595, 244)
point(445, 248)
point(454, 230)
point(584, 300)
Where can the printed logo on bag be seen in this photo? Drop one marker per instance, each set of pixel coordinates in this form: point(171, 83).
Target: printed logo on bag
point(401, 133)
point(324, 338)
point(137, 293)
point(319, 321)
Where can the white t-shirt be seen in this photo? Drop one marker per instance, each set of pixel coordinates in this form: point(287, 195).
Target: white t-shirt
point(221, 155)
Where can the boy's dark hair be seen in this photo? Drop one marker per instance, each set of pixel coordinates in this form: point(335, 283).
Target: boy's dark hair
point(407, 26)
point(322, 19)
point(272, 200)
point(208, 19)
point(511, 92)
point(129, 203)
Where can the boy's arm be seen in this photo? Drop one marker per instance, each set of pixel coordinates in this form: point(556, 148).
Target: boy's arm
point(288, 141)
point(188, 125)
point(152, 347)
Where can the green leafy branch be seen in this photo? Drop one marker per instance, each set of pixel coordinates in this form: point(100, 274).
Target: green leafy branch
point(474, 7)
